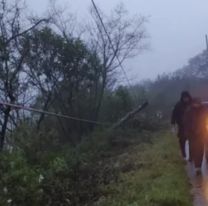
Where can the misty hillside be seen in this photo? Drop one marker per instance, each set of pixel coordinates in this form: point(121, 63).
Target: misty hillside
point(164, 92)
point(197, 67)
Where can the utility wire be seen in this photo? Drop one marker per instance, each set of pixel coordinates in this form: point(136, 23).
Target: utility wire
point(111, 44)
point(18, 106)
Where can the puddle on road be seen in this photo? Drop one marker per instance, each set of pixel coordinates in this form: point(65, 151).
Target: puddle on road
point(199, 183)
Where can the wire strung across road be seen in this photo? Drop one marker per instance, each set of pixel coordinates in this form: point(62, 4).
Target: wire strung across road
point(23, 107)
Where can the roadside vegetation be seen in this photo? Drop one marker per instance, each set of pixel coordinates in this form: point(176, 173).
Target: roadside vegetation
point(53, 63)
point(157, 176)
point(127, 167)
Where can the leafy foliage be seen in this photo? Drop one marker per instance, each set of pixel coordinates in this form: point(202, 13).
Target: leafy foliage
point(52, 161)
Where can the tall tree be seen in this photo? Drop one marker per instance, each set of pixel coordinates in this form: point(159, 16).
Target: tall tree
point(114, 39)
point(12, 56)
point(64, 73)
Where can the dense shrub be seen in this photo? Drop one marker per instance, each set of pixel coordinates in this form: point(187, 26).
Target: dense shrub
point(19, 182)
point(64, 175)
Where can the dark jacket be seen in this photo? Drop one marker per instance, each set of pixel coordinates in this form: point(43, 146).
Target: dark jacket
point(178, 113)
point(195, 122)
point(179, 109)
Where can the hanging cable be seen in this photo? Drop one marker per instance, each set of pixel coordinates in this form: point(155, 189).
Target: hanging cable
point(112, 46)
point(17, 106)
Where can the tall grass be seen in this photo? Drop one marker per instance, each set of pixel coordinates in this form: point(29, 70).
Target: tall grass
point(158, 177)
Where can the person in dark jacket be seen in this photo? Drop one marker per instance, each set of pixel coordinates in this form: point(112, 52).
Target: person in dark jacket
point(177, 119)
point(195, 128)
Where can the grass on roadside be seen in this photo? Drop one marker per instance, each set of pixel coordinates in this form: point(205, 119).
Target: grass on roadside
point(157, 178)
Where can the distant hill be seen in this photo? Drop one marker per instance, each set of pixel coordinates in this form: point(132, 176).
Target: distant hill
point(197, 67)
point(165, 91)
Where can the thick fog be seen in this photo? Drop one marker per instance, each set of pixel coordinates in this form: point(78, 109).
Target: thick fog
point(176, 29)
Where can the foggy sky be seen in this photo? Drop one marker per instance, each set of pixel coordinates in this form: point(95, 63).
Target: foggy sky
point(176, 28)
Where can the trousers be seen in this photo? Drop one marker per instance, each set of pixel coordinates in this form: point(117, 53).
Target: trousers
point(196, 146)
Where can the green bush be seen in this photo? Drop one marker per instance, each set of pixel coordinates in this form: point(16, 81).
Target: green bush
point(20, 183)
point(65, 176)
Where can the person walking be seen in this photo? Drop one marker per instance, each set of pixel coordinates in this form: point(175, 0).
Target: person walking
point(177, 119)
point(195, 129)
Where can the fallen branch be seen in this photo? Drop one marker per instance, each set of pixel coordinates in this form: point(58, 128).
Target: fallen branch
point(130, 115)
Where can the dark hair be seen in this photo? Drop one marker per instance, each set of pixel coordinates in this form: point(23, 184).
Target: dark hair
point(185, 94)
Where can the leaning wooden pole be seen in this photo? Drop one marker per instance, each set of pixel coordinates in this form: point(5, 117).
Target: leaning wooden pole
point(130, 115)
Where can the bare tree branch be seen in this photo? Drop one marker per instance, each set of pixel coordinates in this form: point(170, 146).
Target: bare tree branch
point(26, 31)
